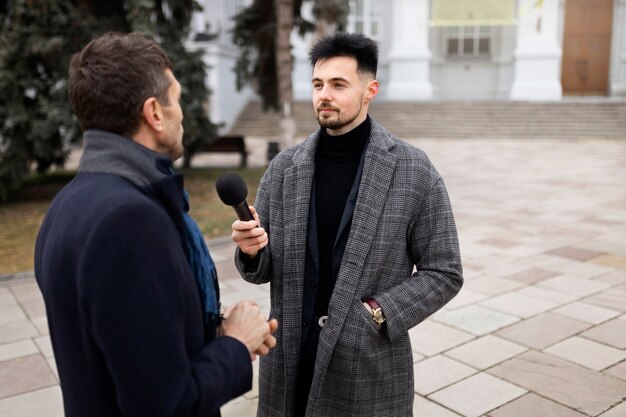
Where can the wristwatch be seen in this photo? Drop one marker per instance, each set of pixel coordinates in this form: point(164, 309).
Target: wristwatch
point(377, 311)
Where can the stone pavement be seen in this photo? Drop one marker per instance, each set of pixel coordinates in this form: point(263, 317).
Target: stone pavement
point(538, 330)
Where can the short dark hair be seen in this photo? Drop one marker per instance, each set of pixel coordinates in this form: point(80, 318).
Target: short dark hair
point(355, 45)
point(111, 78)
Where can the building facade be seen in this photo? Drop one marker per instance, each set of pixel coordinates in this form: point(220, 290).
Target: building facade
point(535, 50)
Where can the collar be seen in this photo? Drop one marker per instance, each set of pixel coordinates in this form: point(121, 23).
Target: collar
point(379, 138)
point(108, 153)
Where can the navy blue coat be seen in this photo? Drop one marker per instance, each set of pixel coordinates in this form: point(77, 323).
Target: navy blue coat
point(123, 307)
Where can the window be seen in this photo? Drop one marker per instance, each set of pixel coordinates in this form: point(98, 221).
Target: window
point(365, 17)
point(469, 41)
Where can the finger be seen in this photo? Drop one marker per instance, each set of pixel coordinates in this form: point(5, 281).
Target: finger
point(262, 350)
point(240, 225)
point(273, 325)
point(270, 342)
point(228, 310)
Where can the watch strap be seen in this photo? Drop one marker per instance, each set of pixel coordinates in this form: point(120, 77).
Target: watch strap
point(372, 303)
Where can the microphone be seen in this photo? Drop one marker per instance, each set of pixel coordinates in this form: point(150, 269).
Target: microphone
point(233, 191)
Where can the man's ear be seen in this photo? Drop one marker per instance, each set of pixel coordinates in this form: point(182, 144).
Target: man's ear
point(371, 90)
point(153, 114)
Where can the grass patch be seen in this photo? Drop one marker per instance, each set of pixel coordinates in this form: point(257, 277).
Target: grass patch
point(20, 220)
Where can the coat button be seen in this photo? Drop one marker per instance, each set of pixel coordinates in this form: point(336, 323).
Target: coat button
point(313, 283)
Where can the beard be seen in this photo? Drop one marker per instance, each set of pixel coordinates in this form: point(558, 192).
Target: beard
point(338, 118)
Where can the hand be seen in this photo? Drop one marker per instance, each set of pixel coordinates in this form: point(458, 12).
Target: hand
point(246, 323)
point(270, 342)
point(249, 238)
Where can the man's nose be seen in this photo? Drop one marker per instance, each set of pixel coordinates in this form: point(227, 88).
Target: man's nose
point(324, 94)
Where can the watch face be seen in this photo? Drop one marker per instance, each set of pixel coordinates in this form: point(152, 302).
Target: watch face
point(378, 316)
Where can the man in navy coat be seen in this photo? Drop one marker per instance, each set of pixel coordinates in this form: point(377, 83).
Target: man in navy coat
point(130, 289)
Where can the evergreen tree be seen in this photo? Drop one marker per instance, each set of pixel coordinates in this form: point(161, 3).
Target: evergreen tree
point(37, 39)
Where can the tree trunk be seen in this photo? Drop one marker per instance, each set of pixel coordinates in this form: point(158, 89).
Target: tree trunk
point(284, 65)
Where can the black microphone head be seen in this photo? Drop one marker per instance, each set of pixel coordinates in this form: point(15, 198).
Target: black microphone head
point(231, 188)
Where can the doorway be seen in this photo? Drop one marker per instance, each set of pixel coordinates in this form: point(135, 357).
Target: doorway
point(587, 47)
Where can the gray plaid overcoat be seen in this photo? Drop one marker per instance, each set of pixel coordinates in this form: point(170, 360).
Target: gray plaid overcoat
point(402, 220)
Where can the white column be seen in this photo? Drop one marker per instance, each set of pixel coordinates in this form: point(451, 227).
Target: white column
point(617, 80)
point(409, 57)
point(537, 73)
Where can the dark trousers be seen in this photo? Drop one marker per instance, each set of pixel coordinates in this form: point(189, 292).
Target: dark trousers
point(305, 372)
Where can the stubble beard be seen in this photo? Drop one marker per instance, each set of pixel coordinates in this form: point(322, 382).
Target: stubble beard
point(340, 121)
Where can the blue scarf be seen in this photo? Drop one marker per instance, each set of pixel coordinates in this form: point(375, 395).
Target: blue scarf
point(204, 271)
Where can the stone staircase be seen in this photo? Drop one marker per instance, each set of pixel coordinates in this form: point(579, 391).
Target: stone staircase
point(567, 119)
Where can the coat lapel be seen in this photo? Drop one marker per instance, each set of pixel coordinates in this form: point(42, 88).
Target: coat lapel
point(296, 201)
point(378, 172)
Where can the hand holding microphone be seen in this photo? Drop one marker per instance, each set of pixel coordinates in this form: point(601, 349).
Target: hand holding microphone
point(233, 192)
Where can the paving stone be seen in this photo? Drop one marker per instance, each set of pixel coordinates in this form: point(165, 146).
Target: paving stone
point(548, 295)
point(24, 374)
point(586, 313)
point(613, 299)
point(29, 297)
point(16, 331)
point(430, 338)
point(574, 286)
point(17, 350)
point(611, 333)
point(240, 407)
point(485, 352)
point(464, 298)
point(576, 269)
point(437, 372)
point(12, 314)
point(47, 402)
point(41, 325)
point(532, 405)
point(542, 331)
point(44, 344)
point(577, 254)
point(582, 389)
point(532, 275)
point(617, 411)
point(614, 278)
point(518, 304)
point(427, 408)
point(477, 395)
point(618, 371)
point(492, 286)
point(476, 320)
point(587, 353)
point(499, 243)
point(612, 261)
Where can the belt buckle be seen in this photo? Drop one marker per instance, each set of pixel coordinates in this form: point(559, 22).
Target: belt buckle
point(322, 321)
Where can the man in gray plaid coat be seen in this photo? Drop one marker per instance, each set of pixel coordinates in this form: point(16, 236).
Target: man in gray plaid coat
point(357, 238)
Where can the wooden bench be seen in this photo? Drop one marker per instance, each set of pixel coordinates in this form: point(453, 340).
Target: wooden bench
point(228, 144)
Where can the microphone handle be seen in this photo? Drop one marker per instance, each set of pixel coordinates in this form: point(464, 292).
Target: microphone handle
point(243, 211)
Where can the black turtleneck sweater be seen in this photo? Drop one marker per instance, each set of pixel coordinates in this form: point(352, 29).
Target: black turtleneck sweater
point(336, 163)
